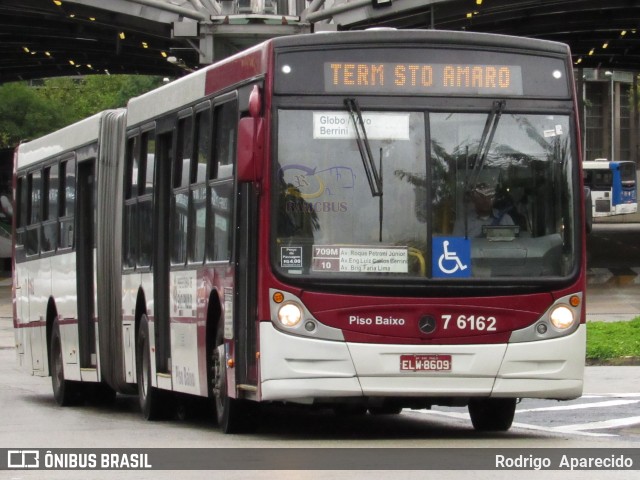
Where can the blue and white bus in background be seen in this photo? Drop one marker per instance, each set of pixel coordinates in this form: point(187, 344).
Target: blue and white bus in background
point(613, 186)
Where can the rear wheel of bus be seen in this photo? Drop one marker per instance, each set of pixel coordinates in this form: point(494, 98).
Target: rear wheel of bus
point(66, 392)
point(492, 414)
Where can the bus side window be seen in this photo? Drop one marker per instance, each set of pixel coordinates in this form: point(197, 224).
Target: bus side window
point(225, 123)
point(50, 212)
point(197, 190)
point(145, 201)
point(220, 223)
point(67, 202)
point(203, 145)
point(130, 224)
point(35, 212)
point(21, 211)
point(180, 201)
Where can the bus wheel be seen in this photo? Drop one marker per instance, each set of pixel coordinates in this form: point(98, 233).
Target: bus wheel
point(492, 414)
point(231, 414)
point(148, 396)
point(66, 392)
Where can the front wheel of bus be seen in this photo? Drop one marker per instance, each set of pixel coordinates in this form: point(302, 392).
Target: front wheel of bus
point(492, 414)
point(231, 413)
point(65, 392)
point(148, 396)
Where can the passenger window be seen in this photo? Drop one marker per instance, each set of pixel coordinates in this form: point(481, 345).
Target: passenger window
point(145, 229)
point(67, 202)
point(36, 198)
point(132, 166)
point(22, 197)
point(203, 142)
point(50, 212)
point(199, 223)
point(148, 157)
point(51, 192)
point(68, 186)
point(220, 226)
point(180, 228)
point(181, 175)
point(225, 124)
point(130, 237)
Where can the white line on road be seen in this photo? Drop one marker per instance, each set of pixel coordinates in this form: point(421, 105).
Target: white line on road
point(465, 416)
point(605, 395)
point(612, 423)
point(609, 403)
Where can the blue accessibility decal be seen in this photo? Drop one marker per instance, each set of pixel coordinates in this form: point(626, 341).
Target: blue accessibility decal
point(451, 257)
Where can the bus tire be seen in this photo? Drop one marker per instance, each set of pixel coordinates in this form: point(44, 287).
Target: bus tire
point(492, 414)
point(65, 392)
point(232, 414)
point(149, 397)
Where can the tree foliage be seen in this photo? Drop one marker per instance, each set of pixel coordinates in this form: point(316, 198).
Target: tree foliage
point(28, 112)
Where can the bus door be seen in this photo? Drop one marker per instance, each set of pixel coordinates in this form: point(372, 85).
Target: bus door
point(161, 259)
point(246, 272)
point(85, 242)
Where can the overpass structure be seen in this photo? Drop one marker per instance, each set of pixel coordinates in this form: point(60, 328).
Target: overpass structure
point(41, 38)
point(45, 38)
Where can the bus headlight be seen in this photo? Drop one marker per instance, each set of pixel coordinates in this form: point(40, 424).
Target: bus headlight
point(562, 317)
point(290, 314)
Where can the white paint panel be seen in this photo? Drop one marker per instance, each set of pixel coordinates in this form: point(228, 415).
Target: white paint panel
point(78, 134)
point(169, 97)
point(285, 356)
point(184, 358)
point(547, 369)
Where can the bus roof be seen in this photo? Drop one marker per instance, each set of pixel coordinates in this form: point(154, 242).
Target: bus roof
point(426, 38)
point(72, 136)
point(253, 62)
point(193, 87)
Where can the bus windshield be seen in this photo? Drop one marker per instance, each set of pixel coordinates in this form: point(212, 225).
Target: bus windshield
point(329, 223)
point(628, 173)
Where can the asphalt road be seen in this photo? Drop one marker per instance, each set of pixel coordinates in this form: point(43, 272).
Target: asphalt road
point(615, 246)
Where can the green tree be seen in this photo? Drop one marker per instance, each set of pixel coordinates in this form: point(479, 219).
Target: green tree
point(25, 116)
point(29, 112)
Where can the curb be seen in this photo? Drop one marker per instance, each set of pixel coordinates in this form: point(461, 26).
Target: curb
point(613, 362)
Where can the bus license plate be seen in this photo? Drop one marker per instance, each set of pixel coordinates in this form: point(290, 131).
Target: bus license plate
point(425, 363)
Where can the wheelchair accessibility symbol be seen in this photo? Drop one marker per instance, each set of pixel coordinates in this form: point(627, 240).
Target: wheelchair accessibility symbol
point(451, 257)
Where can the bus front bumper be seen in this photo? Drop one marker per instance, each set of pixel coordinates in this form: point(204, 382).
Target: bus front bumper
point(304, 370)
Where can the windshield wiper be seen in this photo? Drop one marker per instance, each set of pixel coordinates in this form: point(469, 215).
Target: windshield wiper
point(373, 176)
point(486, 140)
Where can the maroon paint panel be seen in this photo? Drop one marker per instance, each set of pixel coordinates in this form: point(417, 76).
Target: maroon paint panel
point(453, 320)
point(237, 69)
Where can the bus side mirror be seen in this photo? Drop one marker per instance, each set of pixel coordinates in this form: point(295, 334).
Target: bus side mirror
point(588, 210)
point(250, 141)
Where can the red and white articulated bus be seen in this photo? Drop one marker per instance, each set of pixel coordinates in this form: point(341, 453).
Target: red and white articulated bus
point(368, 221)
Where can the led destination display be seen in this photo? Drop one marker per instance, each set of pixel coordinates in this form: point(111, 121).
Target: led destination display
point(423, 78)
